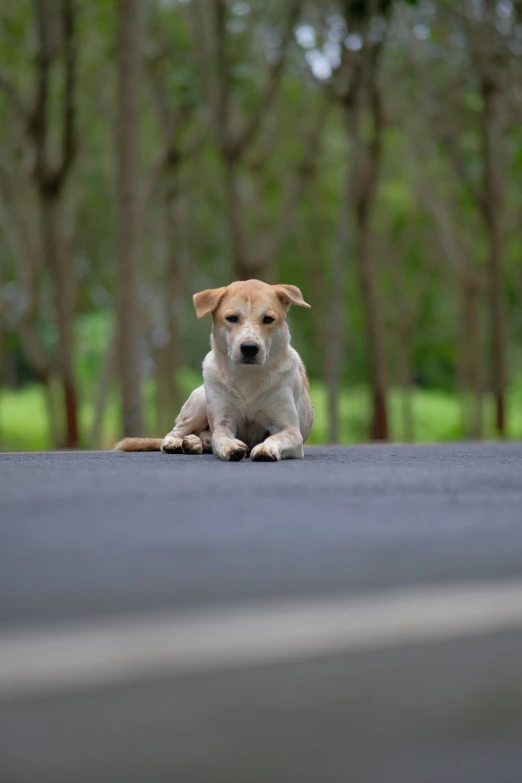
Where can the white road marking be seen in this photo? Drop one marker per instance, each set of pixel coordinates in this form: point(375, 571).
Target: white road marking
point(35, 662)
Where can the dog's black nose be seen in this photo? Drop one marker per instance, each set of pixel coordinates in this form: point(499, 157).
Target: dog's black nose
point(249, 350)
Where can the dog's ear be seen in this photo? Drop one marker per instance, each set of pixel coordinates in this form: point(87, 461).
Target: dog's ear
point(207, 301)
point(290, 294)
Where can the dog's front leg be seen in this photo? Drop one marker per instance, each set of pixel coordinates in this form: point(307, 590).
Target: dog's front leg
point(225, 444)
point(285, 440)
point(285, 444)
point(223, 419)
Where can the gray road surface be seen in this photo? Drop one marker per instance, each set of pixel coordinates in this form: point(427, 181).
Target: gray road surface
point(93, 539)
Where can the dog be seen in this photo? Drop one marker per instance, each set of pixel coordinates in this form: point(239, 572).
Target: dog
point(254, 400)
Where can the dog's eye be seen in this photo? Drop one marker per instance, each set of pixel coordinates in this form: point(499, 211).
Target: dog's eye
point(268, 319)
point(232, 319)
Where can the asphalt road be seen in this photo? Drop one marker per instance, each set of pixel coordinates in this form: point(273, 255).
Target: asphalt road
point(93, 540)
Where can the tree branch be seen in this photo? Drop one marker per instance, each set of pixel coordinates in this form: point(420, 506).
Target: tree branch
point(221, 91)
point(377, 116)
point(272, 84)
point(210, 39)
point(302, 176)
point(38, 119)
point(452, 245)
point(12, 95)
point(69, 134)
point(48, 176)
point(171, 118)
point(444, 136)
point(173, 122)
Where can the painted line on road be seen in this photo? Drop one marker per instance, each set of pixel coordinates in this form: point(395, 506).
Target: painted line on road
point(39, 662)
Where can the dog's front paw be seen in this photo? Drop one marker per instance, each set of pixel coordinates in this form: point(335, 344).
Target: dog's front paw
point(172, 445)
point(192, 445)
point(233, 450)
point(265, 452)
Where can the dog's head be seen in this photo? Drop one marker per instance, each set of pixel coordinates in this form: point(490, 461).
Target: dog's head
point(249, 318)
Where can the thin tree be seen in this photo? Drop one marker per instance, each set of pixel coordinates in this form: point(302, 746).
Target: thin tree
point(56, 58)
point(490, 61)
point(367, 152)
point(182, 134)
point(129, 53)
point(355, 87)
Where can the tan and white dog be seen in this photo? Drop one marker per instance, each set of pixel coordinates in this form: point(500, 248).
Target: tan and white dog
point(254, 399)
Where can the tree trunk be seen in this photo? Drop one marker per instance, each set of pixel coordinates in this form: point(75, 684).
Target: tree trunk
point(251, 267)
point(42, 369)
point(335, 314)
point(174, 285)
point(235, 226)
point(167, 395)
point(373, 324)
point(331, 369)
point(2, 353)
point(367, 155)
point(408, 422)
point(104, 385)
point(403, 342)
point(493, 205)
point(471, 361)
point(58, 263)
point(2, 331)
point(247, 263)
point(129, 234)
point(365, 121)
point(167, 354)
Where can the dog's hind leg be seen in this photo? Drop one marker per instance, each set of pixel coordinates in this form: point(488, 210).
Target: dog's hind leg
point(191, 422)
point(206, 441)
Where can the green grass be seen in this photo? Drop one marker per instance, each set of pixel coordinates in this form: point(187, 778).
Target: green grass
point(437, 415)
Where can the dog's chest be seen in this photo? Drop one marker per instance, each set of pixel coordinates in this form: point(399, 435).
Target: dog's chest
point(253, 392)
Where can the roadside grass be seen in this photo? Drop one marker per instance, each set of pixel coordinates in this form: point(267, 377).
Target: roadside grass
point(436, 415)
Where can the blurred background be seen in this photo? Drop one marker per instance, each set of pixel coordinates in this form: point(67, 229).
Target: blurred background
point(368, 152)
